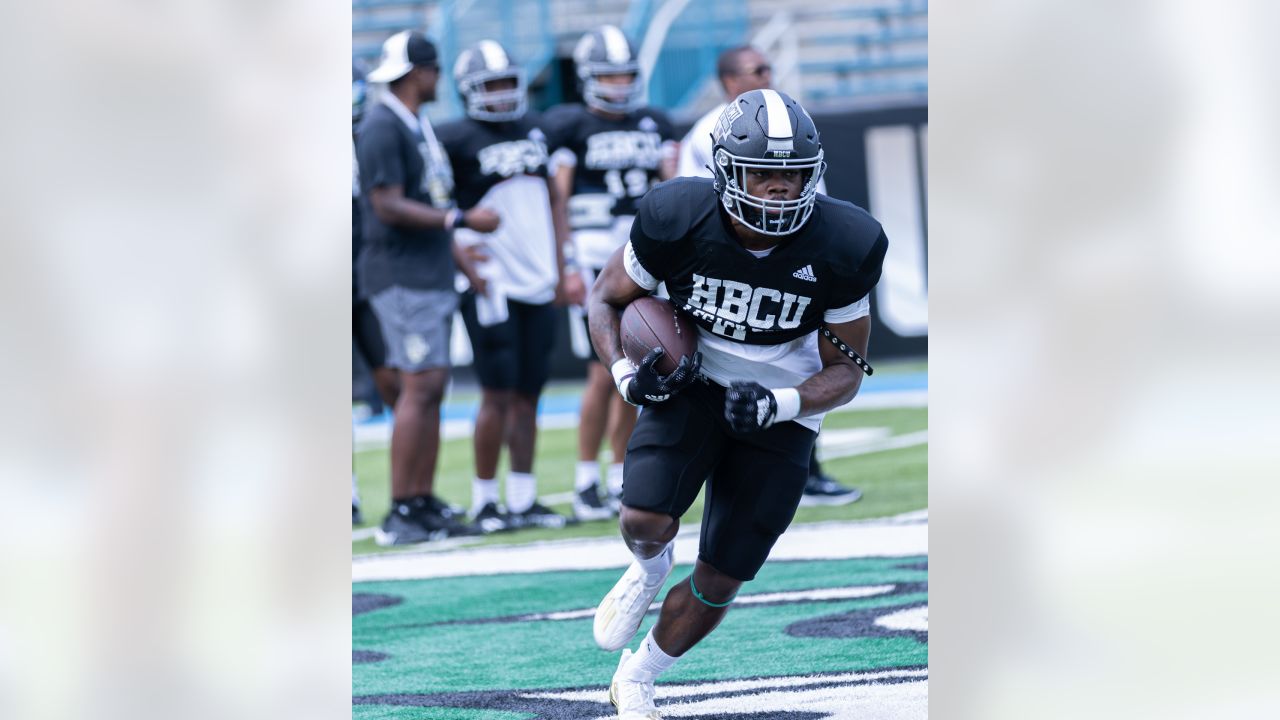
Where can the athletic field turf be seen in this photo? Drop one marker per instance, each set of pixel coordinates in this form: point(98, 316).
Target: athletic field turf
point(499, 628)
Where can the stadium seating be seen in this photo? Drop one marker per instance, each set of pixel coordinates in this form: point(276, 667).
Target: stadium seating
point(847, 53)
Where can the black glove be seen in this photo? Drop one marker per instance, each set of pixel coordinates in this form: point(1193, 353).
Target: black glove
point(749, 406)
point(647, 387)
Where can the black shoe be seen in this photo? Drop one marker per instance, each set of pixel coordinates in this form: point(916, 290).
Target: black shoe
point(588, 506)
point(403, 526)
point(490, 519)
point(822, 490)
point(434, 512)
point(539, 515)
point(356, 517)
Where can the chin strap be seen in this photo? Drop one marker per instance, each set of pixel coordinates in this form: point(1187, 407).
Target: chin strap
point(842, 347)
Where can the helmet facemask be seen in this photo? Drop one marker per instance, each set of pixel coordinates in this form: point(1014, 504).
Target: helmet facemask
point(494, 105)
point(611, 97)
point(768, 217)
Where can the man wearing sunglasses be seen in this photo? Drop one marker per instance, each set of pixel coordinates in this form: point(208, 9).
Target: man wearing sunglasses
point(740, 70)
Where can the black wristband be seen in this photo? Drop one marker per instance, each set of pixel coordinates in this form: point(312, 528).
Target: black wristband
point(459, 220)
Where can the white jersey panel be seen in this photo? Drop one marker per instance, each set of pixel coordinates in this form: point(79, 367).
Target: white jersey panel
point(695, 149)
point(522, 250)
point(773, 366)
point(595, 247)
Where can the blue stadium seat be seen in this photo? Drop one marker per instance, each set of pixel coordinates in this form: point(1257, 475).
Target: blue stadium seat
point(845, 67)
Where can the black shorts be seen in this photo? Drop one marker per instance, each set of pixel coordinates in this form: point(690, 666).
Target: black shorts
point(754, 480)
point(514, 354)
point(367, 334)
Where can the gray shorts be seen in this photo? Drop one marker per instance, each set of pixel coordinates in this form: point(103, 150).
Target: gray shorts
point(416, 325)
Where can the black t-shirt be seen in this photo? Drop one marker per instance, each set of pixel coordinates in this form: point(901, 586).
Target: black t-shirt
point(682, 237)
point(389, 153)
point(617, 160)
point(484, 154)
point(357, 244)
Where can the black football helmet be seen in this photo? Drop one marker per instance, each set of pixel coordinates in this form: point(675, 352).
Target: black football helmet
point(359, 92)
point(766, 130)
point(482, 63)
point(606, 51)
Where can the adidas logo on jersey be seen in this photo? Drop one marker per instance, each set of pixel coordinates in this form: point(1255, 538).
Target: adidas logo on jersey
point(805, 273)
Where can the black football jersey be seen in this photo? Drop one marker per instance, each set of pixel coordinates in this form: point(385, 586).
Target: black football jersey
point(484, 154)
point(681, 237)
point(617, 160)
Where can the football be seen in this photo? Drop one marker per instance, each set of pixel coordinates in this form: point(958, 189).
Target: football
point(651, 322)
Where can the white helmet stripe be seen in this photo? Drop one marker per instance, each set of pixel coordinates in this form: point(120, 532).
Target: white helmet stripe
point(779, 120)
point(615, 44)
point(494, 57)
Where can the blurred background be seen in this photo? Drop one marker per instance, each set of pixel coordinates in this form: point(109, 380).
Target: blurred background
point(860, 67)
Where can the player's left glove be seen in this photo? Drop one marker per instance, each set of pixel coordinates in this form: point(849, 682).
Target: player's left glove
point(749, 406)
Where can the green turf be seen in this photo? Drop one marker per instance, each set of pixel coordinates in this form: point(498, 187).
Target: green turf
point(428, 651)
point(892, 481)
point(384, 712)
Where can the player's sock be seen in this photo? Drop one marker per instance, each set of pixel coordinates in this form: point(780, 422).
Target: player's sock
point(656, 567)
point(483, 492)
point(587, 474)
point(648, 661)
point(615, 479)
point(522, 490)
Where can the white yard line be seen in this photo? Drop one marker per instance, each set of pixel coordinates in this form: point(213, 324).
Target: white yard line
point(902, 535)
point(797, 596)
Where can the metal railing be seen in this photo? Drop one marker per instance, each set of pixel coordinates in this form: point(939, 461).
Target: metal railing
point(679, 43)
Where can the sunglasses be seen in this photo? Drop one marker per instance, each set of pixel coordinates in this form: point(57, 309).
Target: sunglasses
point(759, 71)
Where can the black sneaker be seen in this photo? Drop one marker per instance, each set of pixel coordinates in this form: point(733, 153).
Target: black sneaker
point(403, 526)
point(434, 512)
point(491, 519)
point(539, 515)
point(588, 506)
point(356, 517)
point(822, 490)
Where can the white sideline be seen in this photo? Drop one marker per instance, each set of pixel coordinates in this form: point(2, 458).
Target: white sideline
point(900, 535)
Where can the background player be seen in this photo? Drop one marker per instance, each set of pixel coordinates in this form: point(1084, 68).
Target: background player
point(366, 336)
point(607, 154)
point(499, 159)
point(761, 261)
point(406, 189)
point(740, 70)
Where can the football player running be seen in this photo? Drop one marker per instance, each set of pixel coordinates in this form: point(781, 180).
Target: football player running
point(607, 153)
point(743, 69)
point(767, 267)
point(499, 159)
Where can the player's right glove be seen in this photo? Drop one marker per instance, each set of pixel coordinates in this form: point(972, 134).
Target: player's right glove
point(644, 386)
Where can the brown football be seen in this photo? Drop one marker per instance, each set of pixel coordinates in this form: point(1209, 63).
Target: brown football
point(651, 322)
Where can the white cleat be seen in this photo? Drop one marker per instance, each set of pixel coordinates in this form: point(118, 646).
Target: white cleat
point(632, 698)
point(619, 615)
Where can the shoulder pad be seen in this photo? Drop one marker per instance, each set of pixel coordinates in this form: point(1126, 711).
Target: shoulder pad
point(672, 208)
point(853, 234)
